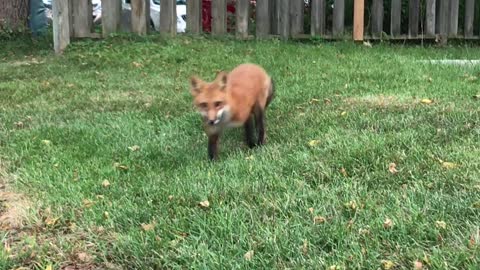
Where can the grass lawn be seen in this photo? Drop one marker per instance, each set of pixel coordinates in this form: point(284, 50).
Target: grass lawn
point(105, 148)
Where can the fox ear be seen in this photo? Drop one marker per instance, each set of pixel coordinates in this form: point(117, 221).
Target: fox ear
point(222, 79)
point(195, 84)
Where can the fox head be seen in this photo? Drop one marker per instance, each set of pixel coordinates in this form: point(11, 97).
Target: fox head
point(210, 97)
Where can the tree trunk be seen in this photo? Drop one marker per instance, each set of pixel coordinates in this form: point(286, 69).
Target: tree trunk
point(13, 14)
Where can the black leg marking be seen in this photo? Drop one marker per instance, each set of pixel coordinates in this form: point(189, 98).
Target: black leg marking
point(260, 125)
point(271, 93)
point(213, 147)
point(250, 132)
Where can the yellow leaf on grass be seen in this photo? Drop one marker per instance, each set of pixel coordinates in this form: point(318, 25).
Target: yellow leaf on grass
point(310, 210)
point(417, 265)
point(51, 221)
point(205, 204)
point(343, 113)
point(134, 148)
point(49, 267)
point(87, 203)
point(319, 220)
point(388, 223)
point(46, 142)
point(392, 168)
point(249, 255)
point(426, 101)
point(440, 224)
point(148, 227)
point(351, 205)
point(313, 143)
point(387, 265)
point(105, 183)
point(449, 165)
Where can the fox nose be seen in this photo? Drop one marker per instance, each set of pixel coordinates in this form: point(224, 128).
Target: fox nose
point(211, 122)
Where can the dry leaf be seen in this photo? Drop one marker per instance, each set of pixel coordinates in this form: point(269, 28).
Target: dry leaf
point(314, 101)
point(343, 113)
point(440, 224)
point(305, 247)
point(343, 172)
point(134, 148)
point(417, 265)
point(333, 267)
point(472, 242)
point(49, 267)
point(249, 255)
point(137, 65)
point(170, 197)
point(84, 257)
point(319, 220)
point(19, 124)
point(205, 204)
point(387, 265)
point(388, 223)
point(106, 215)
point(100, 197)
point(449, 165)
point(46, 142)
point(87, 203)
point(367, 44)
point(51, 221)
point(392, 168)
point(310, 210)
point(148, 227)
point(327, 101)
point(105, 183)
point(119, 166)
point(313, 143)
point(251, 157)
point(351, 205)
point(426, 101)
point(476, 97)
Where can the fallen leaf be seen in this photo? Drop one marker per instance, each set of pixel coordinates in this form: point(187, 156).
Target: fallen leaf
point(387, 265)
point(476, 204)
point(249, 255)
point(106, 215)
point(388, 223)
point(100, 197)
point(310, 210)
point(343, 113)
point(417, 265)
point(137, 65)
point(426, 101)
point(70, 85)
point(313, 143)
point(251, 157)
point(148, 227)
point(84, 257)
point(87, 203)
point(440, 224)
point(449, 165)
point(472, 242)
point(392, 168)
point(51, 221)
point(49, 267)
point(170, 197)
point(314, 101)
point(105, 183)
point(351, 205)
point(46, 142)
point(343, 172)
point(327, 101)
point(476, 96)
point(134, 148)
point(305, 247)
point(19, 124)
point(319, 220)
point(119, 166)
point(333, 267)
point(205, 204)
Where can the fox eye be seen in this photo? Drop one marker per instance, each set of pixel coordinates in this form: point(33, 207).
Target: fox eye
point(203, 105)
point(218, 104)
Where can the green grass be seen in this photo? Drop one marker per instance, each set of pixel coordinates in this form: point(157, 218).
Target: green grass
point(94, 102)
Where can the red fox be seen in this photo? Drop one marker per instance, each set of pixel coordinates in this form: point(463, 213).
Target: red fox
point(234, 99)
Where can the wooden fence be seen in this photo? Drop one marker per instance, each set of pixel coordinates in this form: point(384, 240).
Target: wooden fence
point(427, 19)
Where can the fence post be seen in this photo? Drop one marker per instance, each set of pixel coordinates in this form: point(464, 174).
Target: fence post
point(377, 18)
point(242, 16)
point(82, 17)
point(443, 18)
point(284, 19)
point(430, 18)
point(262, 17)
point(274, 8)
point(453, 29)
point(219, 17)
point(296, 14)
point(358, 25)
point(338, 17)
point(469, 14)
point(413, 17)
point(396, 15)
point(111, 11)
point(194, 17)
point(168, 17)
point(318, 9)
point(61, 26)
point(140, 16)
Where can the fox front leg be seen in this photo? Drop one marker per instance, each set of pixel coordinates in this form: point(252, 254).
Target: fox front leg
point(213, 146)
